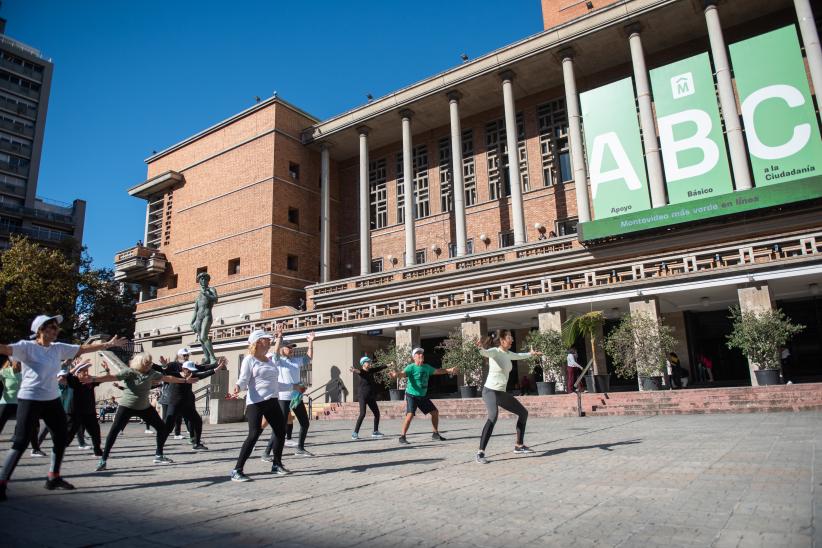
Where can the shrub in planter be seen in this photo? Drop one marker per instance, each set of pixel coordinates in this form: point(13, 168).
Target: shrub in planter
point(395, 358)
point(463, 353)
point(759, 335)
point(554, 354)
point(639, 346)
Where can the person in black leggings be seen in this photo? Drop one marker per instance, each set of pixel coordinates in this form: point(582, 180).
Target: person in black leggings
point(181, 402)
point(369, 386)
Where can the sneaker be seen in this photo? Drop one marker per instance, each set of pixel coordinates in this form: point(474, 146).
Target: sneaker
point(100, 466)
point(355, 436)
point(291, 443)
point(481, 458)
point(58, 483)
point(178, 437)
point(303, 453)
point(160, 459)
point(436, 437)
point(377, 435)
point(237, 475)
point(280, 470)
point(200, 447)
point(83, 447)
point(523, 450)
point(149, 431)
point(403, 441)
point(267, 458)
point(37, 453)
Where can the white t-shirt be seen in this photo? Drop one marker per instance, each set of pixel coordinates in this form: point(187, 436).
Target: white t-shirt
point(499, 366)
point(259, 378)
point(289, 374)
point(40, 367)
point(572, 361)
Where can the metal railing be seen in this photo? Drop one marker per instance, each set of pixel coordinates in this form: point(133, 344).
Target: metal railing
point(330, 387)
point(204, 393)
point(576, 386)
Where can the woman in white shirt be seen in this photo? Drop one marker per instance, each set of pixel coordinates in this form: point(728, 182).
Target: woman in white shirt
point(258, 375)
point(494, 393)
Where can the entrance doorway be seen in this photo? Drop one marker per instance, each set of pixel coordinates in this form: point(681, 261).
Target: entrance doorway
point(707, 334)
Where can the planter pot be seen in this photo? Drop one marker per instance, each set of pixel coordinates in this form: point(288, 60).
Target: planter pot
point(650, 383)
point(547, 388)
point(767, 377)
point(468, 392)
point(396, 395)
point(589, 383)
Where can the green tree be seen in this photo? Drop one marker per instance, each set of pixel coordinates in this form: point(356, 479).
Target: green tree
point(639, 346)
point(554, 353)
point(395, 358)
point(463, 353)
point(104, 305)
point(759, 335)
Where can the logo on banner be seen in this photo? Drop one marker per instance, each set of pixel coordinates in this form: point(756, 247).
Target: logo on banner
point(682, 85)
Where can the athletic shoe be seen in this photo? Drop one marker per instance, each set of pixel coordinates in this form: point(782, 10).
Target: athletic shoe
point(83, 447)
point(37, 453)
point(377, 435)
point(291, 443)
point(200, 447)
point(523, 450)
point(160, 459)
point(58, 483)
point(280, 470)
point(403, 441)
point(436, 437)
point(303, 453)
point(481, 458)
point(149, 431)
point(237, 475)
point(267, 458)
point(100, 466)
point(178, 437)
point(355, 436)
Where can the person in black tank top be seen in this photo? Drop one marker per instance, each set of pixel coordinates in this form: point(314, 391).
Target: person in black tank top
point(369, 388)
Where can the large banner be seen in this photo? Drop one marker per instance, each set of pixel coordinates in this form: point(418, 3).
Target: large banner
point(615, 161)
point(690, 131)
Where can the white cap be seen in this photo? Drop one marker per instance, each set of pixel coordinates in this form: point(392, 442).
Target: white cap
point(257, 335)
point(62, 373)
point(184, 351)
point(416, 351)
point(84, 366)
point(41, 319)
point(190, 365)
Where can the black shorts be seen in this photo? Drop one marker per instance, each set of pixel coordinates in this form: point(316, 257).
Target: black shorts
point(423, 403)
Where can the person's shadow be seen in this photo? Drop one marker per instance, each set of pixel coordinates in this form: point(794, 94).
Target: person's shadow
point(335, 390)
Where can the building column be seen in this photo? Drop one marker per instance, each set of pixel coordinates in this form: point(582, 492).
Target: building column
point(575, 137)
point(474, 329)
point(458, 187)
point(810, 38)
point(518, 220)
point(727, 99)
point(325, 206)
point(407, 336)
point(365, 204)
point(551, 320)
point(649, 306)
point(653, 160)
point(756, 298)
point(408, 185)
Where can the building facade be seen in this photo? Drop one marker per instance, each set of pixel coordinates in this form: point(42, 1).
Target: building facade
point(656, 171)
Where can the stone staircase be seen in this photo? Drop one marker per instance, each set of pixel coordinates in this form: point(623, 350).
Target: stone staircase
point(762, 399)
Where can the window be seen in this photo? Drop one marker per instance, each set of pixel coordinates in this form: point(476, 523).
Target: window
point(233, 267)
point(469, 248)
point(376, 265)
point(497, 157)
point(168, 341)
point(292, 262)
point(294, 170)
point(400, 191)
point(566, 226)
point(506, 239)
point(469, 179)
point(419, 256)
point(552, 121)
point(446, 179)
point(379, 194)
point(420, 169)
point(200, 270)
point(294, 215)
point(172, 282)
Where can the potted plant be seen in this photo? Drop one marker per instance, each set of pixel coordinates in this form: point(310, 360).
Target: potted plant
point(639, 346)
point(587, 325)
point(395, 358)
point(464, 353)
point(552, 361)
point(759, 335)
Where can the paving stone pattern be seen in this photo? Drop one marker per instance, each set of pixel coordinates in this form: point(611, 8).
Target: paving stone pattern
point(732, 480)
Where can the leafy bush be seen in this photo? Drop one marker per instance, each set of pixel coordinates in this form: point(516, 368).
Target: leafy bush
point(639, 346)
point(395, 358)
point(463, 353)
point(554, 354)
point(759, 335)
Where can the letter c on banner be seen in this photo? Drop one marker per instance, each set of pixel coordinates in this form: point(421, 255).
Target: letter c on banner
point(700, 140)
point(801, 133)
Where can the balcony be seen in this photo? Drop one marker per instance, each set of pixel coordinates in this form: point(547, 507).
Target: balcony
point(36, 233)
point(138, 264)
point(20, 69)
point(19, 90)
point(20, 109)
point(17, 127)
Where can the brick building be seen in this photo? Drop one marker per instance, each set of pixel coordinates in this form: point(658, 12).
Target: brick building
point(278, 206)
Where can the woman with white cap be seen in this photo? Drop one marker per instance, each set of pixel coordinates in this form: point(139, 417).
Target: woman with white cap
point(38, 397)
point(369, 386)
point(258, 375)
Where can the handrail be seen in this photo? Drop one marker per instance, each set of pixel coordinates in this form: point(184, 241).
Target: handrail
point(206, 396)
point(576, 386)
point(337, 385)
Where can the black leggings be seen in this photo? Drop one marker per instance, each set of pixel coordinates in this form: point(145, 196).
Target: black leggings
point(495, 399)
point(176, 412)
point(178, 424)
point(121, 418)
point(371, 402)
point(254, 413)
point(29, 412)
point(279, 442)
point(77, 422)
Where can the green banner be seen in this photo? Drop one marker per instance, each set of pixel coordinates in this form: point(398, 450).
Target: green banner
point(616, 168)
point(704, 208)
point(780, 124)
point(690, 131)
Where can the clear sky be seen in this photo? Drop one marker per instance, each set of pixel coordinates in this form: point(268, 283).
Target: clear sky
point(134, 77)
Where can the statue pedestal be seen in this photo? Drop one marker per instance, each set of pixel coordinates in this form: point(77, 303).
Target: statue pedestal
point(222, 410)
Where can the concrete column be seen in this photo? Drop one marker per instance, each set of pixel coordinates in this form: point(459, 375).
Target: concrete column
point(408, 185)
point(653, 160)
point(325, 207)
point(475, 328)
point(727, 99)
point(575, 137)
point(600, 366)
point(507, 78)
point(407, 336)
point(551, 320)
point(458, 187)
point(755, 298)
point(365, 205)
point(648, 306)
point(810, 38)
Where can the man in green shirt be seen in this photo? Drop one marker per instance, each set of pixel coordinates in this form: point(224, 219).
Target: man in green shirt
point(416, 392)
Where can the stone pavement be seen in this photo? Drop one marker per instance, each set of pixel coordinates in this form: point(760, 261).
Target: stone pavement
point(698, 480)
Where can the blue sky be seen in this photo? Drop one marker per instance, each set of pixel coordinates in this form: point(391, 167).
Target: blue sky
point(133, 77)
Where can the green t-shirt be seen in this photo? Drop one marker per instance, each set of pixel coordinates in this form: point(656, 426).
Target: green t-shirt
point(418, 378)
point(138, 385)
point(11, 384)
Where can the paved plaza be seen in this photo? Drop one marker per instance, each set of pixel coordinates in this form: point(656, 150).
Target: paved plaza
point(668, 481)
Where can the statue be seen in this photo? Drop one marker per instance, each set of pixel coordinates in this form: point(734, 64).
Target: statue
point(202, 319)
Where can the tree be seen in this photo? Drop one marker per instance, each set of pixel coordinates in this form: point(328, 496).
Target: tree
point(760, 335)
point(554, 353)
point(104, 305)
point(587, 324)
point(395, 358)
point(463, 353)
point(639, 346)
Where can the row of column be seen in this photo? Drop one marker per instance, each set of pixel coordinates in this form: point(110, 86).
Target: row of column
point(727, 100)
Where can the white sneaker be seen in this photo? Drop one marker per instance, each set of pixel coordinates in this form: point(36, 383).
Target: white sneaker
point(83, 447)
point(291, 443)
point(149, 431)
point(178, 437)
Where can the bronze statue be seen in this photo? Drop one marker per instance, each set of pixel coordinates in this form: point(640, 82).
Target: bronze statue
point(202, 319)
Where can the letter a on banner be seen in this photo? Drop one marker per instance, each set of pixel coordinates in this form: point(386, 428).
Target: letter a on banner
point(616, 167)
